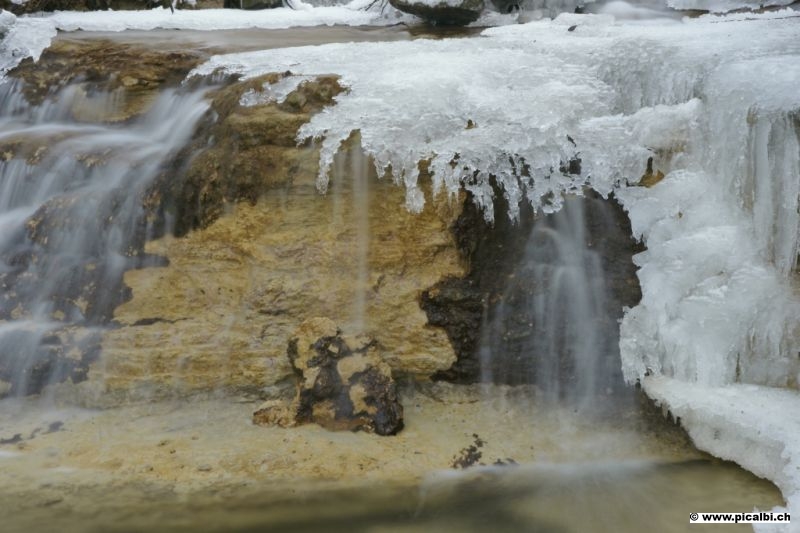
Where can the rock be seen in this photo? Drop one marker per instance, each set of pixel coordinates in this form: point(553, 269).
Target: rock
point(506, 6)
point(444, 12)
point(40, 359)
point(254, 150)
point(650, 178)
point(343, 384)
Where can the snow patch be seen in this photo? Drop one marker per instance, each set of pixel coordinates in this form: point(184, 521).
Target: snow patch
point(219, 19)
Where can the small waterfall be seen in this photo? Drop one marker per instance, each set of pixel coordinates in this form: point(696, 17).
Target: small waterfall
point(555, 324)
point(72, 221)
point(351, 199)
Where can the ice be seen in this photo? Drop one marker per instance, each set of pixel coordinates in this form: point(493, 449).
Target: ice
point(22, 38)
point(749, 424)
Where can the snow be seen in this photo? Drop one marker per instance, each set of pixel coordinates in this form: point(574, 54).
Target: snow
point(214, 19)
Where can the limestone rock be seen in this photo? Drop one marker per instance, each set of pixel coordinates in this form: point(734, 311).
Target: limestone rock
point(254, 150)
point(444, 12)
point(339, 387)
point(218, 314)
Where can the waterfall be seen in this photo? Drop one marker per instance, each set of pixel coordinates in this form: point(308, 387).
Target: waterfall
point(72, 220)
point(555, 323)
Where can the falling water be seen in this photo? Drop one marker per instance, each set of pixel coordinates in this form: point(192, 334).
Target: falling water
point(555, 323)
point(351, 196)
point(72, 221)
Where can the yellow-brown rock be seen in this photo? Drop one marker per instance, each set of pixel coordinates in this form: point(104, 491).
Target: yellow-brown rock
point(221, 314)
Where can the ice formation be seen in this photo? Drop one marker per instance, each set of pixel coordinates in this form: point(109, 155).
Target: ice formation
point(712, 100)
point(22, 38)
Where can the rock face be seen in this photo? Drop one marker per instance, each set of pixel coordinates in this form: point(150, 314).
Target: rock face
point(343, 384)
point(443, 12)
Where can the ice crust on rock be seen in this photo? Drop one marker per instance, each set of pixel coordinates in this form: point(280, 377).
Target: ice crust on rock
point(272, 92)
point(749, 424)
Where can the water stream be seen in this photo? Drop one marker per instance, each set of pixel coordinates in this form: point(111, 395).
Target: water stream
point(72, 220)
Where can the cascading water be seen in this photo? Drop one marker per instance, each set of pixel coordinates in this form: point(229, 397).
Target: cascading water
point(555, 323)
point(72, 221)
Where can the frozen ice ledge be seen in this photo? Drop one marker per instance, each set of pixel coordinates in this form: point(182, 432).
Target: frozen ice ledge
point(713, 101)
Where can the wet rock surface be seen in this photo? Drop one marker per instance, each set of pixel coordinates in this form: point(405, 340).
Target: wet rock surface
point(342, 384)
point(62, 268)
point(34, 359)
point(220, 314)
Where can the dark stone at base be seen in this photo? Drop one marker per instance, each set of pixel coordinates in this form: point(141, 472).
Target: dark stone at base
point(446, 15)
point(343, 384)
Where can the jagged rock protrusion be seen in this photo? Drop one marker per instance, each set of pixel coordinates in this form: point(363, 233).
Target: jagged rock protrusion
point(343, 384)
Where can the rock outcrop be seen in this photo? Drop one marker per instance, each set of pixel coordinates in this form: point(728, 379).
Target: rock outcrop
point(442, 12)
point(342, 384)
